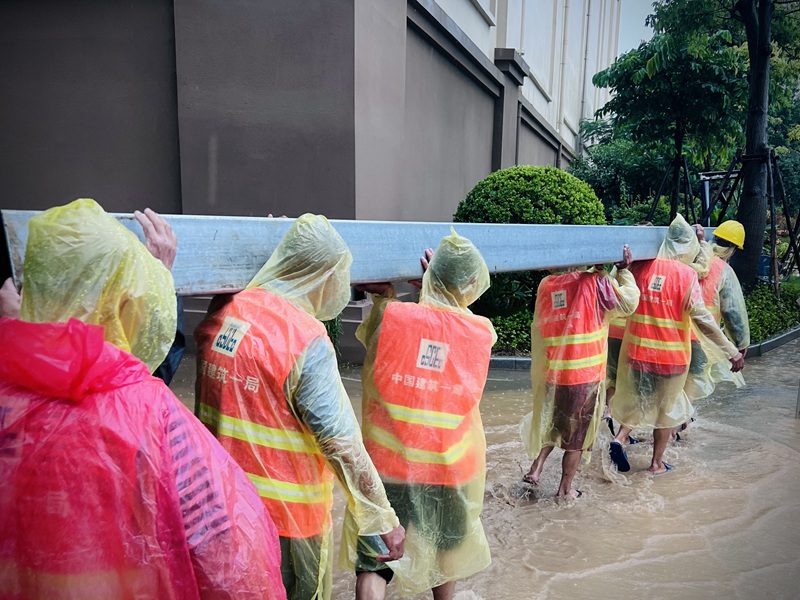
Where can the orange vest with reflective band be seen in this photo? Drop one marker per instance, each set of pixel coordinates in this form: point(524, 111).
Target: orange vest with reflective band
point(616, 328)
point(572, 328)
point(708, 286)
point(246, 350)
point(659, 332)
point(430, 369)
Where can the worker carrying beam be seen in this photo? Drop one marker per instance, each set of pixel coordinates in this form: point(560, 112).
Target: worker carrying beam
point(723, 297)
point(569, 347)
point(423, 376)
point(656, 349)
point(268, 387)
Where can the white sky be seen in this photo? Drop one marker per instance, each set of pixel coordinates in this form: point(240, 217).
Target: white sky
point(632, 30)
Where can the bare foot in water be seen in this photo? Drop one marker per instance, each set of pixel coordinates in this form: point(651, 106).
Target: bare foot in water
point(573, 493)
point(659, 469)
point(532, 477)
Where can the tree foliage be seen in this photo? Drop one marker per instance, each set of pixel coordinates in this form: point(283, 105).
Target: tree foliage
point(687, 91)
point(769, 32)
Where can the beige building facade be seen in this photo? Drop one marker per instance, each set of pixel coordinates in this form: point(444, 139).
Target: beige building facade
point(449, 90)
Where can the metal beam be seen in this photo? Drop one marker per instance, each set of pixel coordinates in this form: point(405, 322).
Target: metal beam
point(221, 254)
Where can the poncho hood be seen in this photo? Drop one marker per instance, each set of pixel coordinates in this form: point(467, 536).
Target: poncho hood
point(64, 360)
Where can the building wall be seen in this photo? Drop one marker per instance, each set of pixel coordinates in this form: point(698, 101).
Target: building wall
point(564, 43)
point(265, 103)
point(88, 104)
point(448, 134)
point(381, 110)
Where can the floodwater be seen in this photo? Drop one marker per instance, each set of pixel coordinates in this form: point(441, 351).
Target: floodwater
point(725, 523)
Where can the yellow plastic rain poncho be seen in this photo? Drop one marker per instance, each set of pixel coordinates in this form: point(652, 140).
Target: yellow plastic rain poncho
point(656, 350)
point(569, 346)
point(423, 377)
point(82, 263)
point(268, 387)
point(723, 297)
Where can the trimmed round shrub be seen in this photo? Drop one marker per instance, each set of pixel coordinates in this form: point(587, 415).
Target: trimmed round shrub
point(526, 194)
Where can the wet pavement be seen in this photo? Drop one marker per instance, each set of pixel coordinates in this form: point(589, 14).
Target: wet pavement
point(725, 523)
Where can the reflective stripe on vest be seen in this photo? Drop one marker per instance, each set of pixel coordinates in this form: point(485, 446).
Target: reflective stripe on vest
point(269, 437)
point(616, 328)
point(571, 326)
point(420, 414)
point(290, 492)
point(451, 456)
point(658, 332)
point(255, 424)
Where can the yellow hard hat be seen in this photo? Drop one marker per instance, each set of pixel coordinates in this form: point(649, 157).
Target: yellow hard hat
point(731, 231)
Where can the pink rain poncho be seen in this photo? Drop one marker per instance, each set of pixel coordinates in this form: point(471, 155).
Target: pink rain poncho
point(110, 487)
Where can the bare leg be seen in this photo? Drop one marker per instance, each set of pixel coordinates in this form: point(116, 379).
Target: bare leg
point(622, 435)
point(569, 467)
point(609, 397)
point(660, 439)
point(446, 591)
point(537, 466)
point(370, 586)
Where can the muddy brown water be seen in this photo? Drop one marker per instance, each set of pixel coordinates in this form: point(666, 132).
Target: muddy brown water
point(724, 524)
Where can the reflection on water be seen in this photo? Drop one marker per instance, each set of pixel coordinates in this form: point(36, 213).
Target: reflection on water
point(724, 524)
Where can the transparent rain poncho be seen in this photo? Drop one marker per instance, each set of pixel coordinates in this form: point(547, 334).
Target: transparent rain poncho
point(310, 267)
point(569, 336)
point(82, 263)
point(423, 376)
point(269, 388)
point(656, 350)
point(723, 296)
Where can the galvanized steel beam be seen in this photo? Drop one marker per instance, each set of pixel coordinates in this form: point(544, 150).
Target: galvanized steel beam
point(221, 254)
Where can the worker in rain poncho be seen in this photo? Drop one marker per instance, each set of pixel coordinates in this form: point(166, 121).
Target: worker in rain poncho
point(655, 355)
point(423, 376)
point(568, 363)
point(723, 297)
point(268, 387)
point(110, 487)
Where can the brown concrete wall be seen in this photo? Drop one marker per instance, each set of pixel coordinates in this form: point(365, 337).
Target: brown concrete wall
point(448, 134)
point(380, 68)
point(533, 148)
point(88, 104)
point(265, 93)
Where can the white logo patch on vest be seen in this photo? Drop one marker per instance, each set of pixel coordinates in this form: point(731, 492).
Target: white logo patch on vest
point(657, 283)
point(432, 355)
point(559, 299)
point(229, 337)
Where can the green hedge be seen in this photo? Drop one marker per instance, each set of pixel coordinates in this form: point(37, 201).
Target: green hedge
point(513, 333)
point(769, 315)
point(525, 194)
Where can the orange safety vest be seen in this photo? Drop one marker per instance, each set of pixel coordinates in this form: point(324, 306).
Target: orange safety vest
point(246, 350)
point(708, 286)
point(658, 331)
point(616, 328)
point(572, 329)
point(430, 369)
